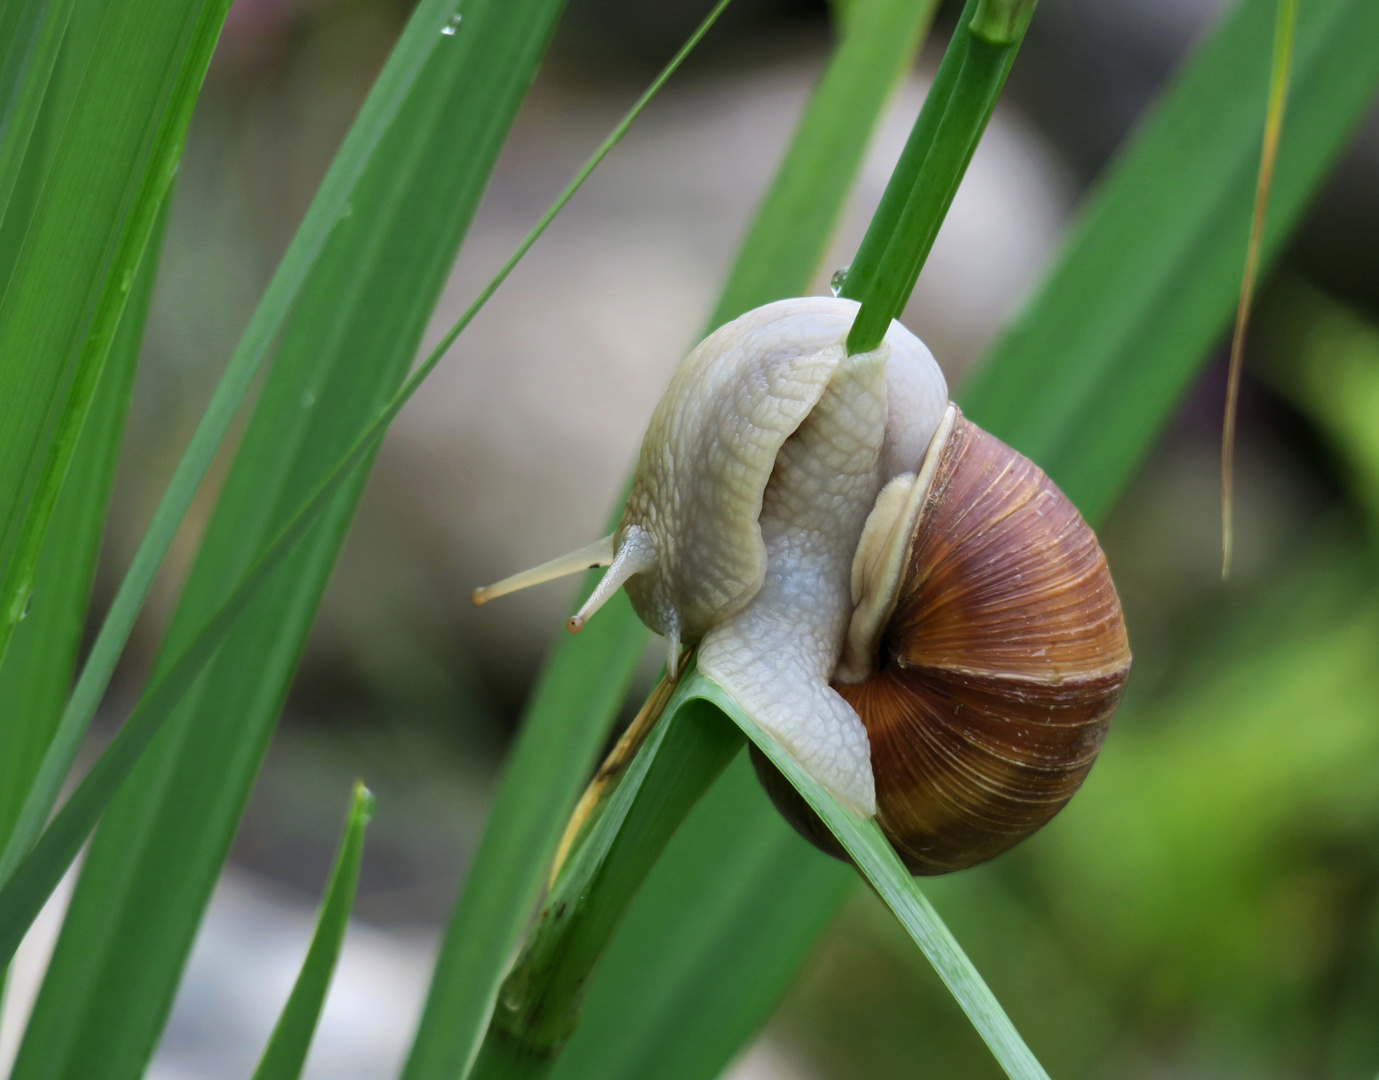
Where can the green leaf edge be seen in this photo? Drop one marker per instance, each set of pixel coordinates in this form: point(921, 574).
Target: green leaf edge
point(881, 866)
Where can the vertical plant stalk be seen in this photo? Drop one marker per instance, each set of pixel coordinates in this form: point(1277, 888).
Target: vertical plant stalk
point(811, 185)
point(935, 159)
point(1285, 21)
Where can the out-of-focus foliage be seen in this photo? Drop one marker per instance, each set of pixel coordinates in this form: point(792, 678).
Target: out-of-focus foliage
point(351, 337)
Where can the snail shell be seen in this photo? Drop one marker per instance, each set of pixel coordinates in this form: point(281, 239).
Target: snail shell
point(999, 664)
point(912, 609)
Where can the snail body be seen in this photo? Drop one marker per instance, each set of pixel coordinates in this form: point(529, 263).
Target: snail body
point(911, 608)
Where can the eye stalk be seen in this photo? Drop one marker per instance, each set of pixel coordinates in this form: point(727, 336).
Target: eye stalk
point(911, 608)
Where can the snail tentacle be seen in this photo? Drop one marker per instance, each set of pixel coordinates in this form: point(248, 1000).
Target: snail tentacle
point(636, 554)
point(599, 553)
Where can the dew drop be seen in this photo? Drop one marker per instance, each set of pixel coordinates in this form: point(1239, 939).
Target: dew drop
point(308, 399)
point(836, 281)
point(28, 606)
point(454, 24)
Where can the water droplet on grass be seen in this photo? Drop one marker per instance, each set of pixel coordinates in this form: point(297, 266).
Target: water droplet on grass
point(836, 281)
point(454, 24)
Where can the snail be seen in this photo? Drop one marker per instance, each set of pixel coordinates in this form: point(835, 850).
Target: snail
point(910, 607)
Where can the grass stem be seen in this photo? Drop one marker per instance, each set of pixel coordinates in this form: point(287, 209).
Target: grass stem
point(945, 135)
point(539, 1003)
point(1285, 19)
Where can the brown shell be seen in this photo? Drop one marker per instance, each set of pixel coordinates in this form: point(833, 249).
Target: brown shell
point(1002, 664)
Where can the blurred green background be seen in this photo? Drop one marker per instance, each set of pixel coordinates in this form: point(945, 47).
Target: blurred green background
point(1208, 906)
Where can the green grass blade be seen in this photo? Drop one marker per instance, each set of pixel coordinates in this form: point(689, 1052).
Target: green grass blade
point(1284, 22)
point(878, 862)
point(703, 991)
point(345, 349)
point(70, 277)
point(878, 42)
point(29, 41)
point(375, 119)
point(43, 866)
point(287, 1048)
point(37, 670)
point(573, 706)
point(582, 684)
point(936, 156)
point(1059, 348)
point(1087, 375)
point(540, 1000)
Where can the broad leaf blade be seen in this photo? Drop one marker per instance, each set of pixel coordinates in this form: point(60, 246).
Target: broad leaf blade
point(69, 278)
point(287, 1048)
point(352, 335)
point(37, 671)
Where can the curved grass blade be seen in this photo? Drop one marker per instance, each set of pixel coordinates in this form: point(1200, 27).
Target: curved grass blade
point(679, 1006)
point(287, 1048)
point(583, 682)
point(878, 862)
point(1285, 22)
point(360, 145)
point(540, 1000)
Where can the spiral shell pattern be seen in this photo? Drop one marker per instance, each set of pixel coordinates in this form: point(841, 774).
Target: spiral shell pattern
point(1000, 667)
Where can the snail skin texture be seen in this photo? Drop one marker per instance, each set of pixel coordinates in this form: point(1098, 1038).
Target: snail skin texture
point(911, 608)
